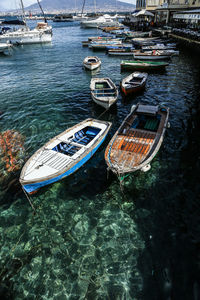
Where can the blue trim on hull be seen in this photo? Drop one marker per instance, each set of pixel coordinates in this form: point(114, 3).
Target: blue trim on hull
point(30, 188)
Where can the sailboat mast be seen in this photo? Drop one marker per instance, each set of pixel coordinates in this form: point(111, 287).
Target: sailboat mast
point(42, 10)
point(83, 8)
point(23, 11)
point(95, 9)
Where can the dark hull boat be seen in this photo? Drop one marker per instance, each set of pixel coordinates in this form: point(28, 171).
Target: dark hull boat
point(63, 155)
point(134, 83)
point(138, 139)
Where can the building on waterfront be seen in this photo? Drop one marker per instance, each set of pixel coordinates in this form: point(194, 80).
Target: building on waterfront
point(173, 11)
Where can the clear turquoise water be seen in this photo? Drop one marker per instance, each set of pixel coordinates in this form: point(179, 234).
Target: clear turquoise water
point(89, 238)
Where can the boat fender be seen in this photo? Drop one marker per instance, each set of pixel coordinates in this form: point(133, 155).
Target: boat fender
point(133, 107)
point(168, 125)
point(146, 168)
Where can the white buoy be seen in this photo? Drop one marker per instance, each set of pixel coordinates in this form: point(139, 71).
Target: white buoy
point(146, 168)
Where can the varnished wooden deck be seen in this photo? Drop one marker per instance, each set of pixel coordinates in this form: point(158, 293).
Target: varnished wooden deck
point(130, 149)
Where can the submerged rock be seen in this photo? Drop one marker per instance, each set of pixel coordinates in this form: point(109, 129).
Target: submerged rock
point(12, 155)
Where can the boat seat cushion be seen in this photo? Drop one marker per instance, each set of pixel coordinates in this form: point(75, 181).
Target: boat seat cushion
point(67, 149)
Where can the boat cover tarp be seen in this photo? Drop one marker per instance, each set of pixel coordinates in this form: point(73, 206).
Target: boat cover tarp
point(147, 109)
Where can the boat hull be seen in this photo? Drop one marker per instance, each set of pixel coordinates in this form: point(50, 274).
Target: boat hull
point(118, 53)
point(151, 57)
point(34, 187)
point(133, 149)
point(143, 66)
point(105, 104)
point(33, 38)
point(134, 90)
point(92, 67)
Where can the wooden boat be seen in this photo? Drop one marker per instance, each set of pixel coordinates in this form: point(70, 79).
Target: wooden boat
point(134, 82)
point(103, 91)
point(91, 62)
point(144, 41)
point(64, 154)
point(96, 39)
point(121, 52)
point(103, 45)
point(143, 65)
point(137, 140)
point(152, 55)
point(168, 46)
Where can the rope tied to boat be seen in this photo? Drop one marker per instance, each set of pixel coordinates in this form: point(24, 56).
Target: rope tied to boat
point(103, 113)
point(29, 200)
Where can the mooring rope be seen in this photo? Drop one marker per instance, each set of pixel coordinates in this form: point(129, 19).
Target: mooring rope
point(103, 113)
point(29, 200)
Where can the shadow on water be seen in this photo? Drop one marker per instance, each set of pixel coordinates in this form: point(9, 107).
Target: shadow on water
point(167, 216)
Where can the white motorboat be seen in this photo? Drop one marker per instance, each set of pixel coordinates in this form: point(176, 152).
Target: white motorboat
point(103, 91)
point(103, 21)
point(42, 33)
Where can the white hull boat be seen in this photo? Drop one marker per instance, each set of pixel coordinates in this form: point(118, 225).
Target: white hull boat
point(92, 62)
point(5, 47)
point(104, 92)
point(41, 34)
point(103, 21)
point(63, 155)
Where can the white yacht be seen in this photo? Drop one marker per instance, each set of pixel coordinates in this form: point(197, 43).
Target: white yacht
point(42, 33)
point(103, 21)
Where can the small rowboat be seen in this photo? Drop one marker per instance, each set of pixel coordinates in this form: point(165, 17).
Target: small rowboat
point(91, 62)
point(121, 52)
point(103, 45)
point(103, 91)
point(137, 140)
point(134, 82)
point(144, 41)
point(170, 46)
point(143, 65)
point(63, 155)
point(152, 55)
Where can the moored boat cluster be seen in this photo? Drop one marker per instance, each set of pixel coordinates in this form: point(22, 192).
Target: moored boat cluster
point(139, 137)
point(137, 140)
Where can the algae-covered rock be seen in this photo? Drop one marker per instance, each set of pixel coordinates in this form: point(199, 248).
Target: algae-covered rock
point(11, 150)
point(12, 155)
